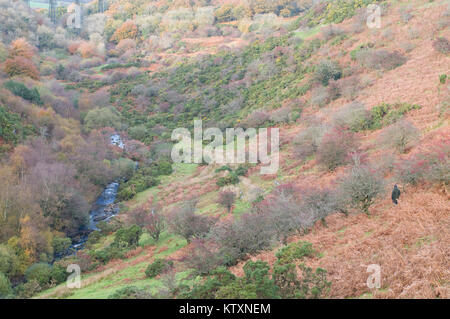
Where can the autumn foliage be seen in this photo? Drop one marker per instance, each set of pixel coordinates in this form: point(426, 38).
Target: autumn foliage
point(20, 61)
point(22, 48)
point(128, 30)
point(21, 66)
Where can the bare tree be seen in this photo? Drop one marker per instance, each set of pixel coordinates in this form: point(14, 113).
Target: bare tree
point(227, 199)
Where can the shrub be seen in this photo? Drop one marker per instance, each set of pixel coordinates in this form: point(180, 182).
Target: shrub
point(5, 286)
point(150, 219)
point(307, 142)
point(11, 128)
point(41, 272)
point(226, 199)
point(432, 166)
point(224, 168)
point(320, 96)
point(21, 90)
point(126, 193)
point(22, 67)
point(257, 118)
point(224, 13)
point(9, 261)
point(108, 253)
point(61, 244)
point(386, 114)
point(201, 256)
point(20, 47)
point(312, 285)
point(281, 115)
point(220, 277)
point(361, 187)
point(125, 45)
point(58, 274)
point(128, 236)
point(231, 178)
point(255, 284)
point(128, 30)
point(353, 116)
point(331, 31)
point(318, 203)
point(334, 148)
point(138, 132)
point(28, 289)
point(327, 70)
point(380, 59)
point(349, 87)
point(131, 292)
point(401, 136)
point(247, 235)
point(158, 267)
point(443, 78)
point(258, 283)
point(294, 251)
point(442, 45)
point(184, 222)
point(102, 117)
point(284, 215)
point(241, 170)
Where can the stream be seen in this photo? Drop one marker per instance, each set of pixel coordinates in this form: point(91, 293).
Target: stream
point(103, 208)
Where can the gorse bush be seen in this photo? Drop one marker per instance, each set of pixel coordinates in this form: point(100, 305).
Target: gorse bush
point(230, 179)
point(144, 178)
point(327, 70)
point(41, 272)
point(257, 282)
point(131, 292)
point(158, 267)
point(356, 117)
point(294, 251)
point(386, 114)
point(21, 90)
point(113, 251)
point(128, 236)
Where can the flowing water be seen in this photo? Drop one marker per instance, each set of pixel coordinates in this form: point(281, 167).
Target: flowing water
point(104, 208)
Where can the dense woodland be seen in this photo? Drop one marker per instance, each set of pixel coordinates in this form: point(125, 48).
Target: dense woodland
point(143, 68)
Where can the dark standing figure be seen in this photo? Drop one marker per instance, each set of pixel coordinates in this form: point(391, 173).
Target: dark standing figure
point(395, 194)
